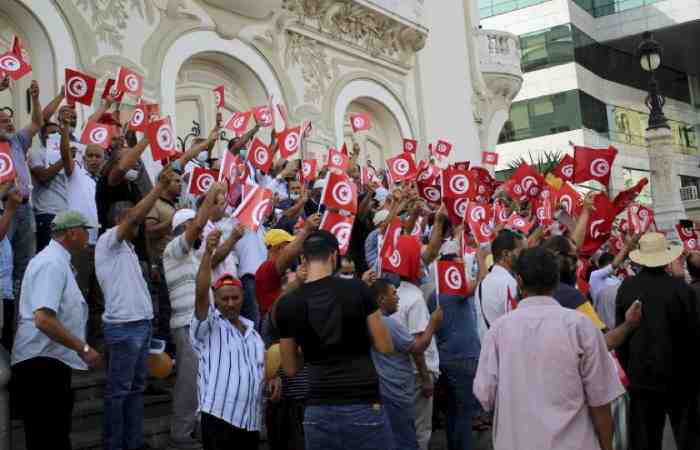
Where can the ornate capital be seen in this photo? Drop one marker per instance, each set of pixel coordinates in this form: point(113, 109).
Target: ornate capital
point(359, 27)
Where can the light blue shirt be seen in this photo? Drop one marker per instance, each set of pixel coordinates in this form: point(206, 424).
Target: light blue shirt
point(396, 380)
point(119, 273)
point(19, 144)
point(6, 265)
point(49, 283)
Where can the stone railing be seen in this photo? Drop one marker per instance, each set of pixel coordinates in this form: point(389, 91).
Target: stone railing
point(689, 193)
point(499, 52)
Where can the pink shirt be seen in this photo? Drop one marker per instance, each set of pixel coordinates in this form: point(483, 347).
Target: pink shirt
point(541, 367)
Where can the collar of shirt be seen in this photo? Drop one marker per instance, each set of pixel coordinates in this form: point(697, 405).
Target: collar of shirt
point(538, 300)
point(499, 270)
point(61, 250)
point(249, 328)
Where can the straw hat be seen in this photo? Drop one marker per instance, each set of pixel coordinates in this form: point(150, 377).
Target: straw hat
point(655, 251)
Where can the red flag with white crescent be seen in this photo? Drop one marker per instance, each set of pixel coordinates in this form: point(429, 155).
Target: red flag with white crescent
point(490, 158)
point(289, 142)
point(7, 166)
point(338, 160)
point(451, 278)
point(401, 168)
point(599, 225)
point(201, 180)
point(565, 168)
point(19, 50)
point(359, 122)
point(110, 89)
point(340, 193)
point(161, 138)
point(442, 148)
point(410, 146)
point(14, 66)
point(430, 193)
point(457, 184)
point(238, 122)
point(263, 115)
point(260, 155)
point(79, 87)
point(456, 209)
point(593, 164)
point(98, 134)
point(688, 236)
point(130, 82)
point(520, 224)
point(640, 218)
point(219, 96)
point(139, 118)
point(255, 207)
point(340, 227)
point(309, 170)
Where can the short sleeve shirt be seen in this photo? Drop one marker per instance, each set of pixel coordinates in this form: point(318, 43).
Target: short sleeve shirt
point(19, 144)
point(268, 285)
point(118, 270)
point(396, 380)
point(49, 197)
point(49, 283)
point(328, 319)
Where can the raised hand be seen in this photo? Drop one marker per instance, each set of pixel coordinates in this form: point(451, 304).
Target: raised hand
point(213, 241)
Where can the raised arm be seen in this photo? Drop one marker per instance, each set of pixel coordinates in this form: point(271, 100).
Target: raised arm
point(103, 108)
point(126, 162)
point(66, 154)
point(227, 246)
point(51, 108)
point(579, 233)
point(432, 250)
point(138, 213)
point(37, 118)
point(293, 250)
point(196, 149)
point(203, 282)
point(200, 220)
point(12, 202)
point(243, 141)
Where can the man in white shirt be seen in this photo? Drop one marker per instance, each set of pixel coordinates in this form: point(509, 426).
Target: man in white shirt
point(497, 294)
point(127, 319)
point(604, 283)
point(50, 340)
point(231, 405)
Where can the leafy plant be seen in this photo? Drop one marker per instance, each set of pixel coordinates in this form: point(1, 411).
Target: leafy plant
point(544, 162)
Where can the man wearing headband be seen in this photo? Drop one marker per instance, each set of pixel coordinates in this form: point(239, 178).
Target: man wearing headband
point(231, 360)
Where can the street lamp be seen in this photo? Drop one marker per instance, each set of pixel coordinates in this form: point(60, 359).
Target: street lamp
point(649, 52)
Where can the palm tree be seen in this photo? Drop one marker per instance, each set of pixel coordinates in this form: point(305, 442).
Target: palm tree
point(544, 162)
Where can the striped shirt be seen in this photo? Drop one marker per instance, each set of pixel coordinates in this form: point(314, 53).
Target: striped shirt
point(231, 370)
point(180, 265)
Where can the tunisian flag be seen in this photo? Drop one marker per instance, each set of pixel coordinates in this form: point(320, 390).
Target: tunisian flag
point(161, 138)
point(593, 164)
point(450, 278)
point(201, 180)
point(14, 66)
point(130, 82)
point(260, 155)
point(529, 179)
point(565, 168)
point(430, 193)
point(359, 122)
point(340, 227)
point(139, 119)
point(569, 200)
point(401, 168)
point(639, 218)
point(442, 148)
point(456, 209)
point(688, 236)
point(79, 87)
point(338, 160)
point(219, 96)
point(520, 224)
point(457, 184)
point(410, 146)
point(625, 198)
point(97, 133)
point(308, 170)
point(340, 193)
point(110, 89)
point(254, 208)
point(7, 167)
point(289, 142)
point(599, 225)
point(263, 114)
point(238, 122)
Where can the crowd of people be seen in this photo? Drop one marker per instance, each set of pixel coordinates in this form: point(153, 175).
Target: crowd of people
point(327, 341)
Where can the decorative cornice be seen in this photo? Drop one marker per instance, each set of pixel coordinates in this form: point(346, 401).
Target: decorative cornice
point(356, 26)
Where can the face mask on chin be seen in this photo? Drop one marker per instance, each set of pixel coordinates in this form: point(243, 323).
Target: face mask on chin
point(346, 276)
point(203, 157)
point(294, 196)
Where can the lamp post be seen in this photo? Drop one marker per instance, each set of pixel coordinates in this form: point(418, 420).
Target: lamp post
point(649, 52)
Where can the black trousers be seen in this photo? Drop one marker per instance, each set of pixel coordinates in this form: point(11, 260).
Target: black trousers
point(285, 424)
point(220, 435)
point(41, 389)
point(647, 418)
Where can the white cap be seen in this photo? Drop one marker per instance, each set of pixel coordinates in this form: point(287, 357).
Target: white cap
point(450, 247)
point(320, 183)
point(380, 216)
point(183, 216)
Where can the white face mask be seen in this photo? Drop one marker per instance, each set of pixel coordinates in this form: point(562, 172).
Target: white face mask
point(131, 174)
point(346, 276)
point(294, 196)
point(203, 156)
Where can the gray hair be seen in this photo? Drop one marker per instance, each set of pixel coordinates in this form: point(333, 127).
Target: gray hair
point(117, 211)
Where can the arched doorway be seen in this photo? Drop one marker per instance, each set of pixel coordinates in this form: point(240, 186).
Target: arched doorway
point(194, 96)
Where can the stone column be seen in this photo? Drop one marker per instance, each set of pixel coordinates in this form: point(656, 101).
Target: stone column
point(665, 182)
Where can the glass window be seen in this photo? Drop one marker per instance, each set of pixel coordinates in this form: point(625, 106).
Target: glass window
point(547, 48)
point(593, 113)
point(488, 8)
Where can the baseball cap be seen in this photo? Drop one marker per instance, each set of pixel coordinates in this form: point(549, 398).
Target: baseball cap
point(183, 216)
point(276, 237)
point(66, 220)
point(226, 280)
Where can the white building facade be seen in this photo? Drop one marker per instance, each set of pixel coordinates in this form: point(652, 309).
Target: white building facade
point(414, 68)
point(583, 83)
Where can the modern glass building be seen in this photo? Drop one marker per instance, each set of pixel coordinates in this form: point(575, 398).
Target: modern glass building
point(583, 83)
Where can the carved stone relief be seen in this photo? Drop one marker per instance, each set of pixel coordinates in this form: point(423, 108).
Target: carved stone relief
point(311, 56)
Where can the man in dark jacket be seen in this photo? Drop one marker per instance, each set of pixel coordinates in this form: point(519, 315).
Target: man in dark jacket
point(660, 356)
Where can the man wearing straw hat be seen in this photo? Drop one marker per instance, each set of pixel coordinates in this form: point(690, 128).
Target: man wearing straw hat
point(660, 356)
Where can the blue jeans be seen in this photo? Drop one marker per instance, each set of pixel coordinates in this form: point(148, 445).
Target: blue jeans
point(127, 346)
point(340, 427)
point(402, 421)
point(250, 309)
point(23, 239)
point(461, 402)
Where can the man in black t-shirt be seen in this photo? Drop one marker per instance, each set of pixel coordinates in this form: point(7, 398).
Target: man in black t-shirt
point(335, 322)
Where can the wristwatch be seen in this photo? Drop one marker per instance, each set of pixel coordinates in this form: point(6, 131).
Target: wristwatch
point(86, 349)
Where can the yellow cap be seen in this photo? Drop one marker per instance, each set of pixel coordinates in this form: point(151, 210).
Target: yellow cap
point(276, 237)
